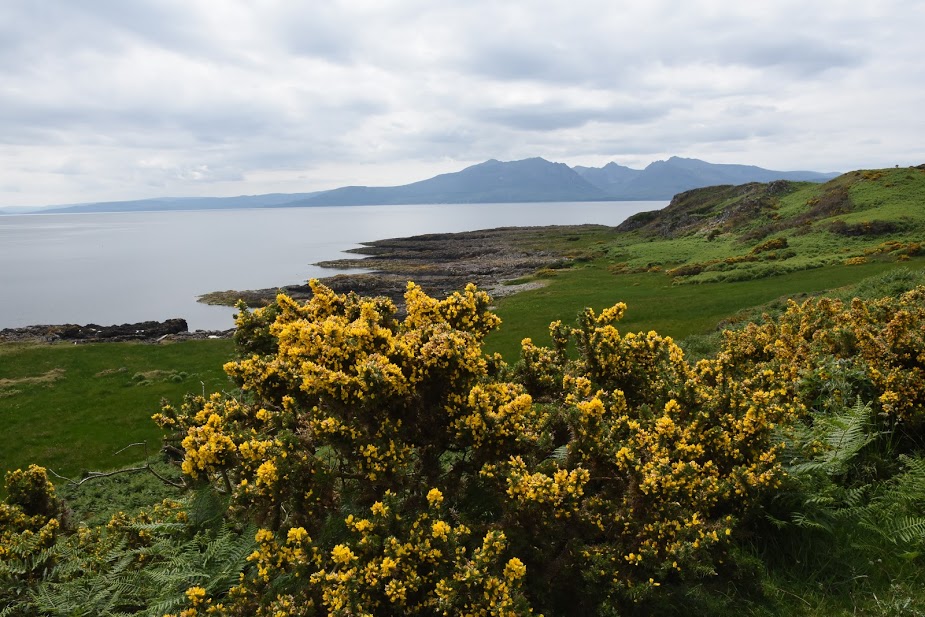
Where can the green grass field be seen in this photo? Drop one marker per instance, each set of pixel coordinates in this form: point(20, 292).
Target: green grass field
point(631, 267)
point(71, 407)
point(654, 303)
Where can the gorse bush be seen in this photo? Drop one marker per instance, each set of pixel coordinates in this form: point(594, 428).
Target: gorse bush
point(29, 527)
point(355, 440)
point(874, 349)
point(395, 468)
point(390, 467)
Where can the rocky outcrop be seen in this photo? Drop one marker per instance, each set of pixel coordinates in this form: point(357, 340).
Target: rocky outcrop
point(143, 331)
point(708, 208)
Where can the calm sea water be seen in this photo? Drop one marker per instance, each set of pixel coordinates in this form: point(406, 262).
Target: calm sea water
point(115, 268)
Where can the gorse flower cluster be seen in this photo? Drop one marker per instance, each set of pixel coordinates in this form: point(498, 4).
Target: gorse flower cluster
point(664, 458)
point(357, 427)
point(29, 525)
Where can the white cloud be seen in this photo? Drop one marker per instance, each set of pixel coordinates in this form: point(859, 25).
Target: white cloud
point(118, 100)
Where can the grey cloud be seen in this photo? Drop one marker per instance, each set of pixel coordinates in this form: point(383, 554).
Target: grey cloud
point(71, 167)
point(466, 140)
point(606, 49)
point(38, 29)
point(165, 23)
point(196, 173)
point(138, 126)
point(747, 110)
point(318, 30)
point(112, 25)
point(516, 62)
point(802, 56)
point(550, 118)
point(535, 59)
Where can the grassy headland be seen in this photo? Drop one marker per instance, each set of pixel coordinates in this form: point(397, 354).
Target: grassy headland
point(714, 252)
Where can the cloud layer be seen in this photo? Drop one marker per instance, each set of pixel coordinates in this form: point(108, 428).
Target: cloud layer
point(116, 100)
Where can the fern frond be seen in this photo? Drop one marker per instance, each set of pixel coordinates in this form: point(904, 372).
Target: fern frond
point(906, 530)
point(845, 435)
point(559, 455)
point(851, 431)
point(801, 520)
point(855, 497)
point(206, 508)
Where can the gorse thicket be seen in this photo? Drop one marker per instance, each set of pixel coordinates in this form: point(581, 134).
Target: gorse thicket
point(350, 419)
point(393, 468)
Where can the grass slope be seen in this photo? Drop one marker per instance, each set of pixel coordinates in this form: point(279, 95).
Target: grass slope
point(655, 304)
point(71, 407)
point(716, 251)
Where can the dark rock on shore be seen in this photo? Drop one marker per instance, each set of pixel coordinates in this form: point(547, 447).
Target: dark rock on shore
point(143, 331)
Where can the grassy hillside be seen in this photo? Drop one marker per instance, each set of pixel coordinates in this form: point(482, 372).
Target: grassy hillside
point(716, 251)
point(759, 230)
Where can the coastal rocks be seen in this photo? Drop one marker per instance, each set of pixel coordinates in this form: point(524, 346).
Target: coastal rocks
point(143, 331)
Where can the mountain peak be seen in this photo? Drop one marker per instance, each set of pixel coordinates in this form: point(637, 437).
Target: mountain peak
point(492, 181)
point(664, 179)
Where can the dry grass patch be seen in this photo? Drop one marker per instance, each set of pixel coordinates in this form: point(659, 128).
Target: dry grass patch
point(111, 371)
point(45, 378)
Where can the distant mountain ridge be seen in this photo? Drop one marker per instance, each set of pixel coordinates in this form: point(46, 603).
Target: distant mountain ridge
point(181, 203)
point(665, 179)
point(534, 179)
point(527, 180)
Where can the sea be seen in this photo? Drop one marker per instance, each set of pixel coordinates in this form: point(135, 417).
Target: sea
point(115, 268)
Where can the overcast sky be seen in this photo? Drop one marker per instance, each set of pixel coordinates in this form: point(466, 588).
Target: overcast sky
point(123, 99)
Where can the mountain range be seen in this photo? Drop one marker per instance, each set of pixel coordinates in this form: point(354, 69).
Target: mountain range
point(527, 180)
point(665, 179)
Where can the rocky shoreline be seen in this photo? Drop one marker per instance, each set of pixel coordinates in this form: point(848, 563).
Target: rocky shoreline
point(147, 331)
point(493, 259)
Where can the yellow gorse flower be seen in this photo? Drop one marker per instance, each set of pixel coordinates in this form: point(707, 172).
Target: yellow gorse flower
point(434, 497)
